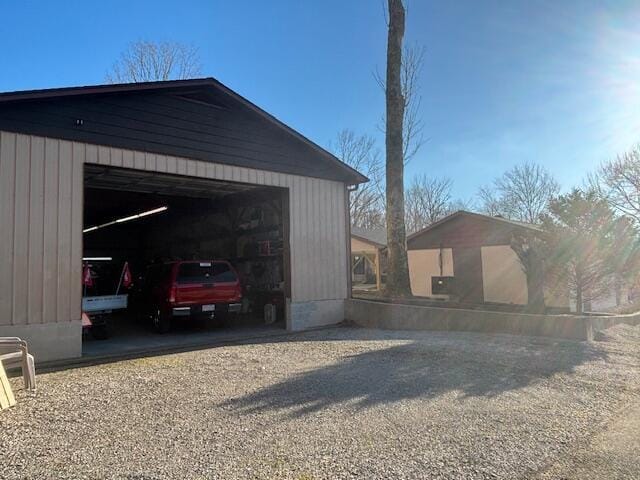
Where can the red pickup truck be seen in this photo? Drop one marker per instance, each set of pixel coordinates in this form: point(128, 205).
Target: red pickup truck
point(209, 288)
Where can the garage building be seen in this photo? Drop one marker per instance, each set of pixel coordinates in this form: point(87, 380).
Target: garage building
point(82, 167)
point(467, 258)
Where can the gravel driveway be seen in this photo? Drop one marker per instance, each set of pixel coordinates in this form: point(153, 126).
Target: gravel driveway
point(336, 403)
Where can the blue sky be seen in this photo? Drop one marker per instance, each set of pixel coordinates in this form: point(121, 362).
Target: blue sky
point(555, 82)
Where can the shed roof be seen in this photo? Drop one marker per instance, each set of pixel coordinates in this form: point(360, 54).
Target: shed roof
point(468, 228)
point(460, 213)
point(196, 118)
point(376, 236)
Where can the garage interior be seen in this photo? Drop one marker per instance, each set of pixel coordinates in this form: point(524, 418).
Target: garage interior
point(145, 218)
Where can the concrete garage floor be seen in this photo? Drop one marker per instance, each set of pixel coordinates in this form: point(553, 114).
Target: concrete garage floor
point(129, 337)
point(337, 403)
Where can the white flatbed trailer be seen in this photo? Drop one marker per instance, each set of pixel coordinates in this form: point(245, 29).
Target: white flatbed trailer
point(98, 310)
point(104, 303)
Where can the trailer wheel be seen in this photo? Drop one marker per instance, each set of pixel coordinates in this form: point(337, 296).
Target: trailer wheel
point(162, 323)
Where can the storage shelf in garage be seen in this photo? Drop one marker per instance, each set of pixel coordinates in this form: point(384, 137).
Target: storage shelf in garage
point(256, 230)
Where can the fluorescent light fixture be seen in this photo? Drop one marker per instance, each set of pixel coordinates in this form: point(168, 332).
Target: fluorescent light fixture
point(151, 212)
point(126, 219)
point(97, 259)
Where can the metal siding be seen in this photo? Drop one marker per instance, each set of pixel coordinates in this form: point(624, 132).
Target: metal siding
point(150, 162)
point(36, 231)
point(201, 170)
point(303, 247)
point(321, 230)
point(341, 239)
point(138, 160)
point(172, 165)
point(104, 156)
point(161, 163)
point(92, 155)
point(77, 202)
point(64, 230)
point(127, 158)
point(7, 200)
point(312, 231)
point(41, 203)
point(116, 156)
point(50, 224)
point(332, 231)
point(191, 168)
point(21, 231)
point(294, 209)
point(181, 166)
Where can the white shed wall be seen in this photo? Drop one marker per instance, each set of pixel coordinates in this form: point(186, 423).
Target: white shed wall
point(425, 264)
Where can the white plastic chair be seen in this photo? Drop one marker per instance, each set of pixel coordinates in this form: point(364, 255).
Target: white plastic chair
point(18, 356)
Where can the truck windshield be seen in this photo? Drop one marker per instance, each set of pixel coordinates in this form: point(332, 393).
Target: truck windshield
point(203, 272)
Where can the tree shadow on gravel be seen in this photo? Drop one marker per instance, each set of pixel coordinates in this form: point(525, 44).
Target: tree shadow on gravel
point(420, 370)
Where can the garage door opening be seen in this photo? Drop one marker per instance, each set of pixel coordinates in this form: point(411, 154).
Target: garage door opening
point(170, 260)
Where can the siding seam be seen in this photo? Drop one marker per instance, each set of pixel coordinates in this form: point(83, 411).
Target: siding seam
point(44, 227)
point(28, 239)
point(13, 223)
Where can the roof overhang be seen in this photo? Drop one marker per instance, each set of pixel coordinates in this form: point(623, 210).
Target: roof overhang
point(351, 176)
point(369, 241)
point(460, 213)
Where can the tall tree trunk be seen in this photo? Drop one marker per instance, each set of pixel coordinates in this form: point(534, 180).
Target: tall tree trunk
point(398, 268)
point(535, 285)
point(579, 300)
point(618, 284)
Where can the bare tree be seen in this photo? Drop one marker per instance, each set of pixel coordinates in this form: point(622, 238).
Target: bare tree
point(427, 201)
point(489, 202)
point(413, 127)
point(397, 268)
point(413, 138)
point(618, 182)
point(145, 61)
point(366, 204)
point(521, 193)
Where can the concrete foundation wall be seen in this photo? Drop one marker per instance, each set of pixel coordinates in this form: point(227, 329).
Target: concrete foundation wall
point(412, 317)
point(602, 323)
point(319, 313)
point(49, 341)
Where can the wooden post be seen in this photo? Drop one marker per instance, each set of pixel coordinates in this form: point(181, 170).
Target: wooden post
point(378, 271)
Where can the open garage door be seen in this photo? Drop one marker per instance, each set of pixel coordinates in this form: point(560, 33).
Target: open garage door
point(186, 257)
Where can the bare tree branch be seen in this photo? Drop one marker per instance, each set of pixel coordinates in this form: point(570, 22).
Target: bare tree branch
point(366, 204)
point(145, 61)
point(428, 200)
point(413, 126)
point(618, 182)
point(521, 193)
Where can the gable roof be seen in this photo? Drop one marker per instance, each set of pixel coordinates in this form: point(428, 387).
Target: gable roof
point(460, 213)
point(377, 236)
point(197, 118)
point(464, 228)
